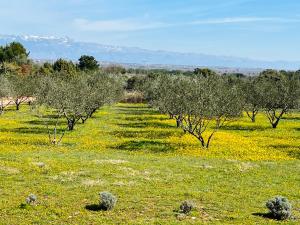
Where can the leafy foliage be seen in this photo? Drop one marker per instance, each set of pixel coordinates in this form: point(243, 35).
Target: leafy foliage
point(5, 92)
point(114, 69)
point(196, 102)
point(87, 63)
point(46, 69)
point(280, 208)
point(64, 67)
point(280, 93)
point(31, 199)
point(14, 52)
point(107, 200)
point(253, 98)
point(79, 96)
point(204, 72)
point(22, 88)
point(187, 206)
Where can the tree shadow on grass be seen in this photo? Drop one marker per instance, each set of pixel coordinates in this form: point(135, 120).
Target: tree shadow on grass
point(142, 134)
point(145, 125)
point(10, 109)
point(29, 130)
point(50, 123)
point(138, 112)
point(294, 154)
point(146, 145)
point(26, 141)
point(34, 130)
point(133, 106)
point(271, 217)
point(26, 130)
point(244, 128)
point(291, 118)
point(144, 118)
point(52, 116)
point(292, 150)
point(284, 146)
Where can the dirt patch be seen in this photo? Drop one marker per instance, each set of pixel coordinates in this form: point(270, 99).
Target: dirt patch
point(110, 161)
point(9, 170)
point(91, 183)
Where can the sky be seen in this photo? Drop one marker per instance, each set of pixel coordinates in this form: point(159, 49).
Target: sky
point(258, 29)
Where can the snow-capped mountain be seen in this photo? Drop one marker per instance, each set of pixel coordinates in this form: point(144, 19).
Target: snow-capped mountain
point(51, 48)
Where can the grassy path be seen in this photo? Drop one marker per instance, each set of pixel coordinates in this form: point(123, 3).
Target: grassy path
point(137, 154)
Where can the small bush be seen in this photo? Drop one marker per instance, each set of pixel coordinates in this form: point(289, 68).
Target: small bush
point(40, 164)
point(187, 206)
point(280, 208)
point(107, 201)
point(133, 97)
point(31, 199)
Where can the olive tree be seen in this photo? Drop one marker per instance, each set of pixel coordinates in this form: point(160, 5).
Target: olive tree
point(199, 104)
point(22, 88)
point(253, 98)
point(280, 94)
point(170, 97)
point(49, 107)
point(102, 89)
point(212, 104)
point(64, 95)
point(5, 93)
point(77, 97)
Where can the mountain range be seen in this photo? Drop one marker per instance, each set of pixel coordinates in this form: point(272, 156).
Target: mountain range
point(52, 48)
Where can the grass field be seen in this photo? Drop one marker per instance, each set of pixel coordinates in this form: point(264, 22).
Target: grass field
point(139, 155)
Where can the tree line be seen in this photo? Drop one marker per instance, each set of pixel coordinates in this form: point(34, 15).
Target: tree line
point(200, 101)
point(70, 91)
point(204, 102)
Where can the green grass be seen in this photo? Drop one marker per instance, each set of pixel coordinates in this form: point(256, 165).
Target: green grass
point(139, 155)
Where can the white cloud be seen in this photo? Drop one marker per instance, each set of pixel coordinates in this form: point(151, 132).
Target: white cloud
point(243, 20)
point(116, 25)
point(231, 20)
point(125, 25)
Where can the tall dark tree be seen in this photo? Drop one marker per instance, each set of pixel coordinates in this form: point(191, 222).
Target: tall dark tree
point(46, 69)
point(65, 67)
point(87, 62)
point(204, 72)
point(14, 52)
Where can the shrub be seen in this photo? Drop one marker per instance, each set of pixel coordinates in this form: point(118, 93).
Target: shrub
point(107, 201)
point(31, 199)
point(133, 97)
point(279, 207)
point(187, 206)
point(40, 164)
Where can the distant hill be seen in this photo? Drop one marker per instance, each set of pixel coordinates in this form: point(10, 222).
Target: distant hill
point(51, 48)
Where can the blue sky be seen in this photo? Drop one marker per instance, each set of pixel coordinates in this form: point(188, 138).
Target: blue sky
point(260, 29)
